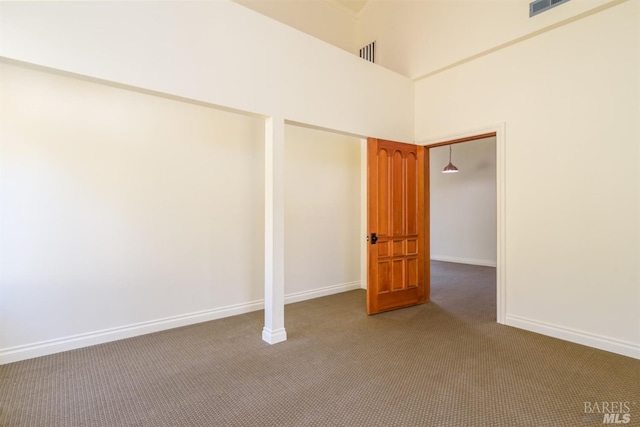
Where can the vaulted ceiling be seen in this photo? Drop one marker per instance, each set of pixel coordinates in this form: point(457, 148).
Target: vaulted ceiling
point(333, 21)
point(353, 5)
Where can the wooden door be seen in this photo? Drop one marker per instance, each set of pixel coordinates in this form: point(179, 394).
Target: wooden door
point(398, 245)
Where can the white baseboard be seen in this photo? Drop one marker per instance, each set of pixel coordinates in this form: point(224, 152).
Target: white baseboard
point(483, 262)
point(43, 348)
point(320, 292)
point(624, 348)
point(14, 354)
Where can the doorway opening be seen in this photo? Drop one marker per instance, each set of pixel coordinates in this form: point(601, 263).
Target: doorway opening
point(463, 227)
point(456, 256)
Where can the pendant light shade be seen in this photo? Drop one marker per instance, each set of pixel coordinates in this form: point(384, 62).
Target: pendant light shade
point(450, 168)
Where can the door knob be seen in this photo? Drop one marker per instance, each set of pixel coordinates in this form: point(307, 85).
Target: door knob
point(374, 238)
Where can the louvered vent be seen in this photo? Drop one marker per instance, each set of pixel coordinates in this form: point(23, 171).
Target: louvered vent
point(369, 52)
point(540, 6)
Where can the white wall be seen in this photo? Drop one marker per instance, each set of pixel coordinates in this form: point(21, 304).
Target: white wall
point(569, 97)
point(570, 100)
point(322, 211)
point(128, 212)
point(120, 208)
point(162, 255)
point(216, 52)
point(322, 19)
point(463, 204)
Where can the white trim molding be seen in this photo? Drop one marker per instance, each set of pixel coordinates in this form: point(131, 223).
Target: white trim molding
point(274, 337)
point(501, 195)
point(364, 243)
point(624, 348)
point(43, 348)
point(320, 292)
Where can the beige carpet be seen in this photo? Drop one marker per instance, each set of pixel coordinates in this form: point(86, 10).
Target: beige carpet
point(446, 363)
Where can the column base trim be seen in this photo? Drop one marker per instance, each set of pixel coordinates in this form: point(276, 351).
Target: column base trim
point(274, 337)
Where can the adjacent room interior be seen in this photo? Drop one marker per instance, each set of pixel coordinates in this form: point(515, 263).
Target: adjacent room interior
point(463, 209)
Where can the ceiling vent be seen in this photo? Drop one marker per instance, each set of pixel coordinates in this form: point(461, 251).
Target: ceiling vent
point(540, 6)
point(368, 52)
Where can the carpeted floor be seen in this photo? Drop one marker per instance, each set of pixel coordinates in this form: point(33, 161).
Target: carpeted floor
point(445, 363)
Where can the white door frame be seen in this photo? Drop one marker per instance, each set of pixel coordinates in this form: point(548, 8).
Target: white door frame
point(499, 129)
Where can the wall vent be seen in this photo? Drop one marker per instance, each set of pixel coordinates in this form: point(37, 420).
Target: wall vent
point(540, 6)
point(368, 52)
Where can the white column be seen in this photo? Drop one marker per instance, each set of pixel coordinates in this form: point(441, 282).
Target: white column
point(274, 331)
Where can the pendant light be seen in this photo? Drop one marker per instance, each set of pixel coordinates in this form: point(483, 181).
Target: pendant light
point(450, 168)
